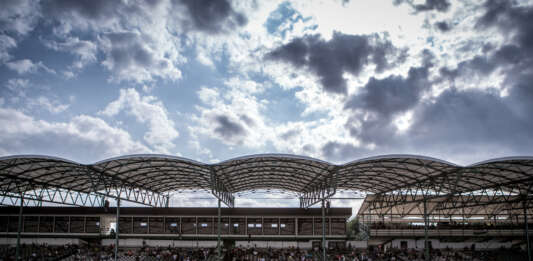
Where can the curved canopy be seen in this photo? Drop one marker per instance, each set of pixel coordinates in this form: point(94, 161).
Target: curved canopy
point(162, 173)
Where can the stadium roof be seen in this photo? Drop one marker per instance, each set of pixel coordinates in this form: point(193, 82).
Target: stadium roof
point(163, 173)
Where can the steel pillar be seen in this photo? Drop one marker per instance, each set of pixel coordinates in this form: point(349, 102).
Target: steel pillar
point(18, 254)
point(219, 247)
point(323, 231)
point(117, 229)
point(426, 243)
point(526, 227)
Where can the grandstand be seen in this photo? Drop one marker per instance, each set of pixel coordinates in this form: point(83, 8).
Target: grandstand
point(414, 206)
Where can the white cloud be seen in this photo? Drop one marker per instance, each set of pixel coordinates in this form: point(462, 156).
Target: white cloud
point(19, 16)
point(233, 114)
point(139, 40)
point(137, 57)
point(52, 106)
point(149, 110)
point(27, 66)
point(84, 138)
point(17, 85)
point(85, 51)
point(6, 43)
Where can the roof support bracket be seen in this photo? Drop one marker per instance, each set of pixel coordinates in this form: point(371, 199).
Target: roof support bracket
point(323, 190)
point(220, 191)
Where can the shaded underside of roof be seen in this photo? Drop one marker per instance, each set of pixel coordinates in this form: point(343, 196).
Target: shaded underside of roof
point(446, 207)
point(161, 173)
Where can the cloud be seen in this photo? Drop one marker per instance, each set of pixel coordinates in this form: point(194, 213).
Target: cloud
point(213, 16)
point(130, 57)
point(19, 16)
point(380, 100)
point(461, 120)
point(17, 84)
point(227, 128)
point(137, 38)
point(52, 106)
point(329, 60)
point(443, 26)
point(337, 151)
point(27, 66)
point(149, 110)
point(439, 5)
point(84, 51)
point(428, 5)
point(232, 114)
point(141, 41)
point(6, 43)
point(84, 138)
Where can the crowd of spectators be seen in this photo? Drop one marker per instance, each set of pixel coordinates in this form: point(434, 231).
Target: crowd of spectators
point(394, 254)
point(42, 252)
point(146, 253)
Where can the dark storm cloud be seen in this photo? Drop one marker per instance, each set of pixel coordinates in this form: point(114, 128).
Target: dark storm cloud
point(213, 16)
point(480, 117)
point(443, 26)
point(471, 118)
point(392, 94)
point(127, 49)
point(227, 128)
point(384, 99)
point(470, 123)
point(89, 9)
point(341, 152)
point(512, 20)
point(439, 5)
point(429, 5)
point(330, 59)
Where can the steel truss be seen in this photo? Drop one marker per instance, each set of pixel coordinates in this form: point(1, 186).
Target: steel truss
point(219, 190)
point(449, 194)
point(323, 190)
point(101, 186)
point(51, 195)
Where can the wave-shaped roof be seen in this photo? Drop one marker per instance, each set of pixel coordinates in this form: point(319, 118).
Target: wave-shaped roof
point(164, 173)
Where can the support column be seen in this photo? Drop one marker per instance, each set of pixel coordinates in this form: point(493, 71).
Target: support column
point(296, 226)
point(219, 247)
point(323, 231)
point(426, 243)
point(526, 227)
point(117, 229)
point(18, 251)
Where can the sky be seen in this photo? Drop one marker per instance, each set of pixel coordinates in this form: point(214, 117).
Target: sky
point(336, 80)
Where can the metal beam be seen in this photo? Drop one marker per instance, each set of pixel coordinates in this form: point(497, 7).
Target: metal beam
point(220, 191)
point(318, 192)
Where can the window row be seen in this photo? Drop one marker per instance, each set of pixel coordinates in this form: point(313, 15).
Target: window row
point(178, 225)
point(51, 224)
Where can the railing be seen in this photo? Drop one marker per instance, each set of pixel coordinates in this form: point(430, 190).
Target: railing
point(448, 232)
